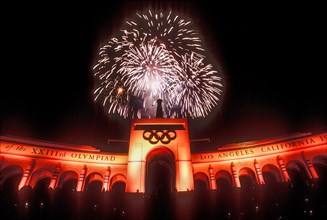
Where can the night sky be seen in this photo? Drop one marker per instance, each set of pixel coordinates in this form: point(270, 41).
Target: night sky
point(271, 56)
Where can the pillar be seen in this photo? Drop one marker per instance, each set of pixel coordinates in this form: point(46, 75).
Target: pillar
point(26, 175)
point(235, 176)
point(105, 186)
point(213, 184)
point(81, 179)
point(258, 172)
point(310, 167)
point(283, 169)
point(54, 178)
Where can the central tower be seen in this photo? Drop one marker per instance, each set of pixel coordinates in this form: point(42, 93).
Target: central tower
point(158, 148)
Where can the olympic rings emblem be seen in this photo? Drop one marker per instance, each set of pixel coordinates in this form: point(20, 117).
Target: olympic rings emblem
point(164, 136)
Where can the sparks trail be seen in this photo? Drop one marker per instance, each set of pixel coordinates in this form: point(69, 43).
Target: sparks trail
point(156, 55)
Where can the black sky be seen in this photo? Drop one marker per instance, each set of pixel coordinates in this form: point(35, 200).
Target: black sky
point(271, 55)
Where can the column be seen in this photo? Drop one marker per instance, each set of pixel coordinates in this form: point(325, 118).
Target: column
point(310, 167)
point(259, 173)
point(54, 178)
point(283, 169)
point(105, 186)
point(213, 184)
point(26, 175)
point(235, 176)
point(81, 179)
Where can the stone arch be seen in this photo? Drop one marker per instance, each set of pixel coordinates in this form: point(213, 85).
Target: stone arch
point(94, 177)
point(118, 180)
point(67, 176)
point(271, 174)
point(201, 182)
point(320, 166)
point(40, 192)
point(160, 171)
point(10, 172)
point(38, 175)
point(94, 181)
point(247, 177)
point(10, 177)
point(298, 172)
point(42, 184)
point(223, 179)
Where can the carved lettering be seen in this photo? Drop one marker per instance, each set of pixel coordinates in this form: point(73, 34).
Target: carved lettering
point(206, 156)
point(323, 138)
point(34, 151)
point(56, 154)
point(97, 157)
point(8, 147)
point(20, 148)
point(262, 149)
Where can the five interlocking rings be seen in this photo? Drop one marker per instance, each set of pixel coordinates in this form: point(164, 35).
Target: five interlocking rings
point(154, 136)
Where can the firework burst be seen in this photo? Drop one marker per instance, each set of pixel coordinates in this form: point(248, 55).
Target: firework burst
point(157, 55)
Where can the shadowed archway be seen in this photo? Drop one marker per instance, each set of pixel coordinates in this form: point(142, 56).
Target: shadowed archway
point(201, 182)
point(160, 172)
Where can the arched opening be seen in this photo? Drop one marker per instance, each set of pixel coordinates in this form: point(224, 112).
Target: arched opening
point(223, 180)
point(118, 187)
point(42, 184)
point(69, 185)
point(271, 175)
point(38, 175)
point(298, 174)
point(160, 172)
point(94, 187)
point(224, 197)
point(320, 165)
point(9, 172)
point(9, 196)
point(299, 182)
point(247, 178)
point(11, 183)
point(201, 182)
point(93, 182)
point(248, 190)
point(67, 180)
point(272, 191)
point(118, 183)
point(92, 191)
point(66, 198)
point(41, 199)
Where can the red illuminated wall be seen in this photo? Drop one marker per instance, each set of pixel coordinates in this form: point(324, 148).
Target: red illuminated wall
point(253, 159)
point(167, 142)
point(151, 137)
point(35, 160)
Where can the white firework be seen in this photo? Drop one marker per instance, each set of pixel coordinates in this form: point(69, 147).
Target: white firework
point(157, 54)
